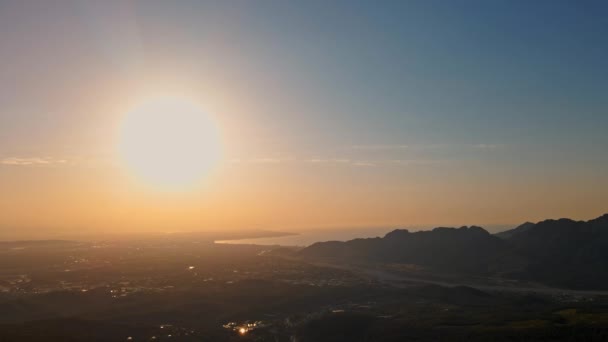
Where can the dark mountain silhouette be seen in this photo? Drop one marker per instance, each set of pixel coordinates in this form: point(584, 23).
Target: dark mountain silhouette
point(465, 249)
point(557, 252)
point(565, 252)
point(509, 233)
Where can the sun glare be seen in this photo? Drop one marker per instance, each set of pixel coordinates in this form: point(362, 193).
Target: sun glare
point(169, 142)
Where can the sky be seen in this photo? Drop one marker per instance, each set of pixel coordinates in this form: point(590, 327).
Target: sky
point(331, 114)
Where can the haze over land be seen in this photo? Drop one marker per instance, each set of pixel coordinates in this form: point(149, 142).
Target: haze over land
point(303, 171)
point(453, 284)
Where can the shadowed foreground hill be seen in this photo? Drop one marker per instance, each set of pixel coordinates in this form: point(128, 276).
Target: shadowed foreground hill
point(557, 252)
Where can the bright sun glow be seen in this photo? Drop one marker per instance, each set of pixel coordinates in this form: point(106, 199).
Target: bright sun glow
point(169, 142)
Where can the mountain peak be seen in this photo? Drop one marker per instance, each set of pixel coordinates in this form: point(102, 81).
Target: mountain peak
point(601, 219)
point(396, 233)
point(507, 234)
point(461, 230)
point(560, 252)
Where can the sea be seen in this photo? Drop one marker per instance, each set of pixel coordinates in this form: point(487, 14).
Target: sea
point(305, 238)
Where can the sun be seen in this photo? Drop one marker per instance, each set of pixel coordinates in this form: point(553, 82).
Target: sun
point(169, 142)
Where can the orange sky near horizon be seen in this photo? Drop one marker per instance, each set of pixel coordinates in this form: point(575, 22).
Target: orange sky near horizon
point(333, 118)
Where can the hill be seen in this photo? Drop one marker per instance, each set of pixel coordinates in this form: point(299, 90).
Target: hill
point(565, 252)
point(562, 252)
point(465, 249)
point(507, 234)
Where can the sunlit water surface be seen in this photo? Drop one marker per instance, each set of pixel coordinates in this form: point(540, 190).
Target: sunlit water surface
point(308, 237)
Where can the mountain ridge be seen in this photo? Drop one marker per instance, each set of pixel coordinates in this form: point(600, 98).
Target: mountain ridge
point(559, 252)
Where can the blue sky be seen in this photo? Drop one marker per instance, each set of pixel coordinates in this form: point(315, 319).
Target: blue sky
point(504, 92)
point(474, 72)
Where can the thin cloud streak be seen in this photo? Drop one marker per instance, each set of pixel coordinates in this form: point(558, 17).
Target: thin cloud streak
point(331, 160)
point(338, 161)
point(363, 163)
point(51, 161)
point(396, 147)
point(55, 161)
point(32, 161)
point(379, 147)
point(416, 161)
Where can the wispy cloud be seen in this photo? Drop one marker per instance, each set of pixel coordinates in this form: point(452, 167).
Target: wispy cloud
point(257, 160)
point(274, 160)
point(378, 147)
point(416, 161)
point(267, 160)
point(338, 161)
point(397, 147)
point(363, 163)
point(330, 160)
point(32, 161)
